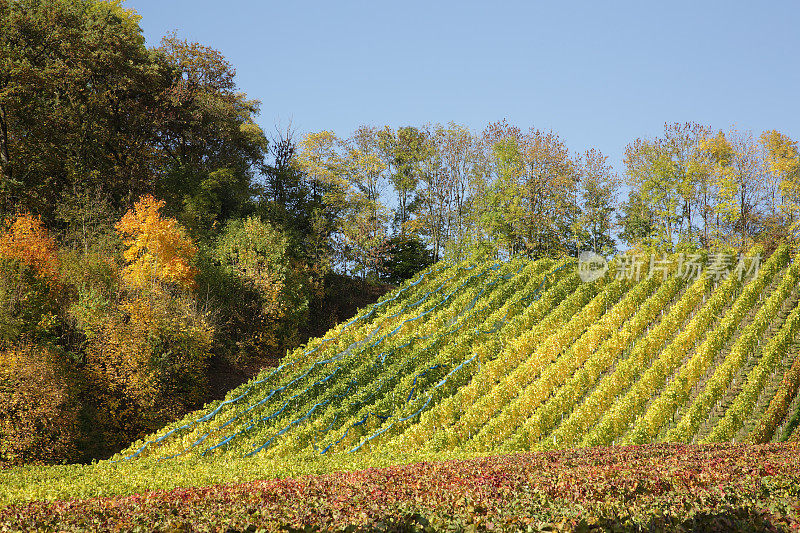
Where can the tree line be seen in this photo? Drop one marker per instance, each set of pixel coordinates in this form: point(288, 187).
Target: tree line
point(506, 191)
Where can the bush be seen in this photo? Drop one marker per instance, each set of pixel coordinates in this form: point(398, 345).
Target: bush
point(261, 294)
point(407, 256)
point(39, 405)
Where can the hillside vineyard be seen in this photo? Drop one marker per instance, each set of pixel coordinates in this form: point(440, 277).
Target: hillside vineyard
point(524, 355)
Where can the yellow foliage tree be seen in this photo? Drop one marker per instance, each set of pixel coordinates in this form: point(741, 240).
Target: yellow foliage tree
point(783, 163)
point(158, 248)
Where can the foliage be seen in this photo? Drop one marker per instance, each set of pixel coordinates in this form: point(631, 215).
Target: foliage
point(26, 240)
point(29, 287)
point(406, 257)
point(101, 115)
point(40, 405)
point(255, 251)
point(262, 295)
point(146, 360)
point(531, 203)
point(158, 249)
point(598, 188)
point(661, 487)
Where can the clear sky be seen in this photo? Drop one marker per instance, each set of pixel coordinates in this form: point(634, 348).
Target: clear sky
point(598, 73)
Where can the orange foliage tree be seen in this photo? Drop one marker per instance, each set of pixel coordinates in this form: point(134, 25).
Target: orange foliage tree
point(158, 248)
point(30, 292)
point(26, 240)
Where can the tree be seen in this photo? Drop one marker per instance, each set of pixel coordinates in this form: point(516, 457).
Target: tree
point(667, 174)
point(403, 153)
point(158, 249)
point(365, 166)
point(434, 197)
point(738, 179)
point(319, 157)
point(783, 165)
point(86, 110)
point(254, 250)
point(77, 90)
point(262, 295)
point(365, 227)
point(39, 406)
point(637, 221)
point(462, 159)
point(532, 199)
point(598, 189)
point(407, 255)
point(30, 292)
point(285, 196)
point(25, 239)
point(210, 144)
point(656, 179)
point(680, 143)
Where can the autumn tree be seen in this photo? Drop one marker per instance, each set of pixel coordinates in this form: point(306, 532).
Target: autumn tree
point(157, 247)
point(321, 160)
point(40, 406)
point(29, 282)
point(145, 351)
point(532, 206)
point(598, 189)
point(739, 179)
point(783, 166)
point(40, 388)
point(25, 239)
point(654, 175)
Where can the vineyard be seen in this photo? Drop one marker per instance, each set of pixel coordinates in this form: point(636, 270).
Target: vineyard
point(522, 355)
point(421, 413)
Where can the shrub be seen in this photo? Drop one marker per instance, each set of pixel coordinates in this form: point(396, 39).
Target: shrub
point(39, 405)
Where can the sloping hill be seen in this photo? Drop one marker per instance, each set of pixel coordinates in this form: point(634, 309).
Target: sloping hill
point(523, 355)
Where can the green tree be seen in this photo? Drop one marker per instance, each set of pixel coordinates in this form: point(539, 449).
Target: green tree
point(87, 111)
point(532, 198)
point(667, 174)
point(636, 220)
point(407, 255)
point(403, 152)
point(463, 161)
point(598, 189)
point(77, 90)
point(656, 179)
point(364, 228)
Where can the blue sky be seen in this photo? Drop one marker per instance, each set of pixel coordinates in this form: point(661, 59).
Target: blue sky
point(598, 73)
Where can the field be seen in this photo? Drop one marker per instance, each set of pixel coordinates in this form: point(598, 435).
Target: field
point(480, 364)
